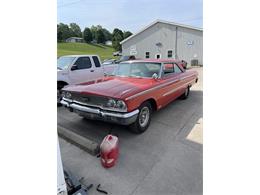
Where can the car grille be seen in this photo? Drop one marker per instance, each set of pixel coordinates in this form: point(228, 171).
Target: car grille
point(91, 100)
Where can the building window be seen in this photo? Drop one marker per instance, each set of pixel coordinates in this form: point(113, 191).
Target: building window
point(147, 54)
point(158, 56)
point(169, 54)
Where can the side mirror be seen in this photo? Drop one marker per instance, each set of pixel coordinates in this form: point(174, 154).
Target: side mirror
point(74, 67)
point(184, 64)
point(155, 76)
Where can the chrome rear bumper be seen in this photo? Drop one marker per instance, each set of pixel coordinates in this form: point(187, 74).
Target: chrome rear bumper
point(99, 114)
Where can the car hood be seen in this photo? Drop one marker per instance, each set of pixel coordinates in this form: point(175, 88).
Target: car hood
point(115, 87)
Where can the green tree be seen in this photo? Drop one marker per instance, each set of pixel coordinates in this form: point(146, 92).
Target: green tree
point(94, 30)
point(63, 32)
point(87, 35)
point(59, 34)
point(127, 34)
point(108, 35)
point(117, 37)
point(75, 30)
point(100, 36)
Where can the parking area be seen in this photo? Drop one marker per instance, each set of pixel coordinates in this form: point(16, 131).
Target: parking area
point(166, 159)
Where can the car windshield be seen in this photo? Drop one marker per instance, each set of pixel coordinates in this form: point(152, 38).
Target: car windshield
point(140, 69)
point(64, 62)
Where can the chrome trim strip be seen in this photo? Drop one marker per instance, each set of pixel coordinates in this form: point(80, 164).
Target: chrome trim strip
point(154, 88)
point(151, 89)
point(84, 108)
point(68, 100)
point(176, 89)
point(93, 105)
point(186, 77)
point(119, 115)
point(103, 113)
point(64, 103)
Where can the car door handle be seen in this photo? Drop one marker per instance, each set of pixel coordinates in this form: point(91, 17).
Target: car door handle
point(92, 70)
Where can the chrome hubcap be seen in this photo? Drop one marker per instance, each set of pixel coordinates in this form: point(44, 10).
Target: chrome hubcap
point(144, 116)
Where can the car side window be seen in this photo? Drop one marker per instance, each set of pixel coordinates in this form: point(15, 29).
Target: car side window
point(177, 69)
point(96, 61)
point(168, 68)
point(83, 63)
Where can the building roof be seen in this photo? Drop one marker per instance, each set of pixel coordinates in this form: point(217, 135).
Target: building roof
point(164, 22)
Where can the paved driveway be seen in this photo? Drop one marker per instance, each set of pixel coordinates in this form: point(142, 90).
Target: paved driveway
point(166, 159)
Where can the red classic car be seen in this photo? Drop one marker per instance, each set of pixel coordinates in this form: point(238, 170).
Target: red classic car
point(132, 93)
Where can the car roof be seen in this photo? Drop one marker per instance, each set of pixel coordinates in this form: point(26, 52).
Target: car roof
point(154, 60)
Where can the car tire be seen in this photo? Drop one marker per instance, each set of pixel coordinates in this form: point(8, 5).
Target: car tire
point(186, 93)
point(143, 119)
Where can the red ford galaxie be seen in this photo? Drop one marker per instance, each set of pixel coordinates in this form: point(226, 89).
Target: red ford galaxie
point(129, 96)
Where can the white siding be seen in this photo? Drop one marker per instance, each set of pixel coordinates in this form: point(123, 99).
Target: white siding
point(166, 35)
point(190, 44)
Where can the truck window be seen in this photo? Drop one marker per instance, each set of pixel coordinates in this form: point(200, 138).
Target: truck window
point(83, 63)
point(96, 61)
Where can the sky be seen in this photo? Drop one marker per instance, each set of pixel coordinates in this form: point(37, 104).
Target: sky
point(131, 15)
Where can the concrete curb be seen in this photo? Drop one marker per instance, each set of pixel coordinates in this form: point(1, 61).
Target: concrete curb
point(78, 140)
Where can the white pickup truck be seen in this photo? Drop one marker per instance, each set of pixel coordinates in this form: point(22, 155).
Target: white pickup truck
point(75, 69)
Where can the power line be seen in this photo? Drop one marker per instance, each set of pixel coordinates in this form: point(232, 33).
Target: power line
point(71, 3)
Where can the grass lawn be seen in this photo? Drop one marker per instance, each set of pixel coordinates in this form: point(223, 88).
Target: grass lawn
point(103, 51)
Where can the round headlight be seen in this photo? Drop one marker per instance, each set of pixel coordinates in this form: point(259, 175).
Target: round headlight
point(121, 105)
point(68, 95)
point(111, 103)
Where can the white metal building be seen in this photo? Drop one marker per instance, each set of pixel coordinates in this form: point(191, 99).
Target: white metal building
point(108, 43)
point(74, 40)
point(163, 39)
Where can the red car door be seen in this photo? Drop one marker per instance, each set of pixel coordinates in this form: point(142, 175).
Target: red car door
point(171, 84)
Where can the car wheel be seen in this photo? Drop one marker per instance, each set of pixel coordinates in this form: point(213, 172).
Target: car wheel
point(143, 119)
point(186, 93)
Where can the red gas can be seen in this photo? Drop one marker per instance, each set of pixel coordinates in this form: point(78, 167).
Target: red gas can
point(109, 151)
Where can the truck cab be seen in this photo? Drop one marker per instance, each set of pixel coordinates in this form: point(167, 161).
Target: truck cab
point(75, 69)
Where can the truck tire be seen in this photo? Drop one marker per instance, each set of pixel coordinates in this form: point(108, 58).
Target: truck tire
point(58, 98)
point(143, 119)
point(185, 95)
point(59, 87)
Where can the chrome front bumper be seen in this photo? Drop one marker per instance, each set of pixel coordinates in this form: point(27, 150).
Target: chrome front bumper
point(99, 114)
